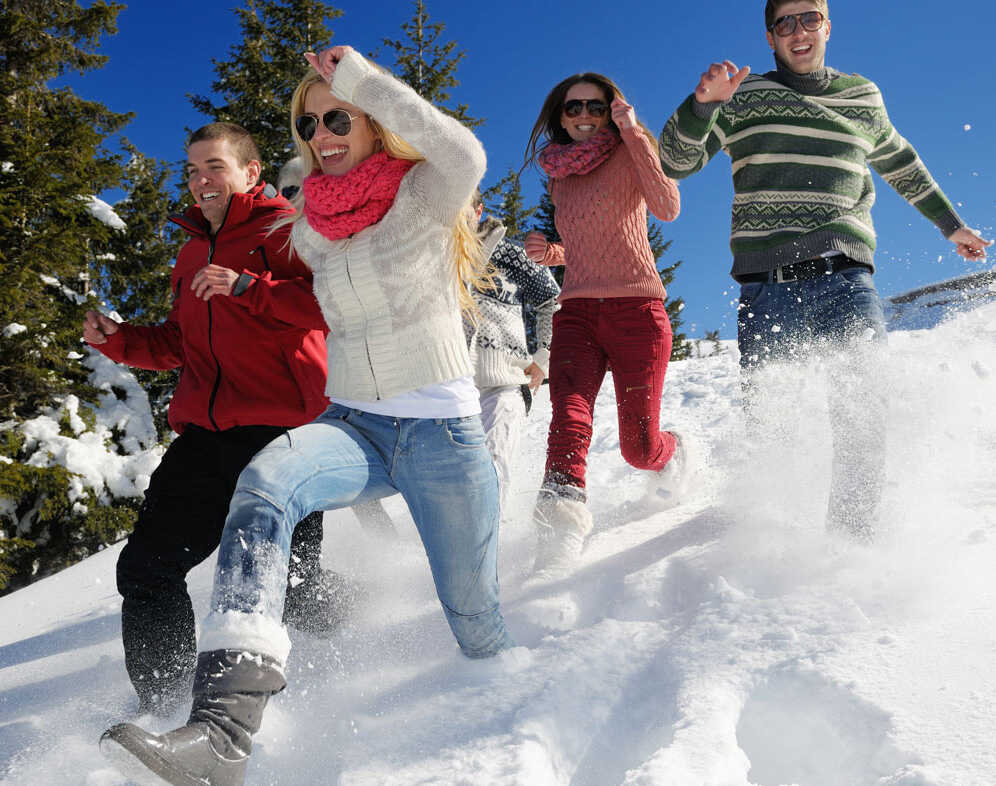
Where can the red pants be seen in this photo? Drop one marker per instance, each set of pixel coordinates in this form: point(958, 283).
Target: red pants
point(632, 335)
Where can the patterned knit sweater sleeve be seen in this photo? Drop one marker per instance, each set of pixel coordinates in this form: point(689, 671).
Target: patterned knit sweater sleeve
point(455, 159)
point(660, 191)
point(689, 140)
point(536, 288)
point(899, 165)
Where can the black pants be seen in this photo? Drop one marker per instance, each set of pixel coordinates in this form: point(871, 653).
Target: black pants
point(179, 526)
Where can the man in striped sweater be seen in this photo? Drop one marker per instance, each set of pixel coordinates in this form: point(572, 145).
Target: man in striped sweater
point(801, 139)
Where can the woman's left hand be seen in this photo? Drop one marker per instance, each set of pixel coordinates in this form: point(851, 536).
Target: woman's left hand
point(622, 114)
point(325, 62)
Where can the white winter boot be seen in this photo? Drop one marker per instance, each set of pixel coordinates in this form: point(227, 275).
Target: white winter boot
point(562, 524)
point(668, 486)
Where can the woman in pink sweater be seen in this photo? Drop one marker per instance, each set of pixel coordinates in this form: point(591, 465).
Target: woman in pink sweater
point(604, 173)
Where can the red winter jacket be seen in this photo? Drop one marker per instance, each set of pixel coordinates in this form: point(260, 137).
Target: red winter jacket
point(252, 360)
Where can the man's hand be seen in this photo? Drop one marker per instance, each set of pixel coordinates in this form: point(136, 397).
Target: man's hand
point(622, 114)
point(97, 327)
point(970, 244)
point(536, 376)
point(213, 280)
point(325, 62)
point(720, 82)
point(535, 246)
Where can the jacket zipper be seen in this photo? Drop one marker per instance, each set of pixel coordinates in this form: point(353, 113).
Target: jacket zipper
point(366, 341)
point(217, 363)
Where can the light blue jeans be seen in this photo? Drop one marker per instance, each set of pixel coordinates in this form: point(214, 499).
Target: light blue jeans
point(441, 467)
point(837, 316)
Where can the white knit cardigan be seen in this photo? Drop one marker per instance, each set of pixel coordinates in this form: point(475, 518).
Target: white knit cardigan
point(388, 292)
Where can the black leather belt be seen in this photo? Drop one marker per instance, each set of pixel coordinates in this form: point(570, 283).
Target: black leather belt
point(799, 271)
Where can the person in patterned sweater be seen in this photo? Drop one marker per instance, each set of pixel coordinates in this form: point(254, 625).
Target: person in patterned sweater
point(605, 174)
point(801, 139)
point(505, 371)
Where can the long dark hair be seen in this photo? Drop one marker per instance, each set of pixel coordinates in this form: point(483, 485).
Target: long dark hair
point(548, 130)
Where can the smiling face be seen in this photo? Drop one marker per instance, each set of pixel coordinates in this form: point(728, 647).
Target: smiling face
point(338, 154)
point(803, 51)
point(214, 174)
point(584, 125)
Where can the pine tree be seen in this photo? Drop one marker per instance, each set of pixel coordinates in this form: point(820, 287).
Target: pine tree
point(53, 236)
point(428, 65)
point(680, 347)
point(504, 201)
point(134, 276)
point(257, 81)
point(52, 162)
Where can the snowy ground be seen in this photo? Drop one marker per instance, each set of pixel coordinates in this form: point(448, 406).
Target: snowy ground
point(725, 642)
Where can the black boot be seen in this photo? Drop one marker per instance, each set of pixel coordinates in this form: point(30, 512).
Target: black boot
point(231, 688)
point(317, 600)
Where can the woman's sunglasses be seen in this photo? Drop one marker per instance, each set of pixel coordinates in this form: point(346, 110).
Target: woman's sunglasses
point(337, 121)
point(784, 26)
point(596, 107)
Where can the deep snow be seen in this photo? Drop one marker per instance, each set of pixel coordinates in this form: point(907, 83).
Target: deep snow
point(727, 641)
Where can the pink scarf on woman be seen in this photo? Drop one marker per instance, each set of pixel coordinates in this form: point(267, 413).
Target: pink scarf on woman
point(578, 158)
point(338, 206)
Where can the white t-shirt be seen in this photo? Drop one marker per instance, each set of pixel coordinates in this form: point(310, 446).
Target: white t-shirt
point(455, 398)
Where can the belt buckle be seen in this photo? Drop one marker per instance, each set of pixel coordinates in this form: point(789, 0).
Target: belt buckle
point(780, 276)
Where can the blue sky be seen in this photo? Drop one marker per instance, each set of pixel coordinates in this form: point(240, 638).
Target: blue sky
point(934, 63)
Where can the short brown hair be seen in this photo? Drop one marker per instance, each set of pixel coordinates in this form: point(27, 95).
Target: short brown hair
point(772, 6)
point(239, 139)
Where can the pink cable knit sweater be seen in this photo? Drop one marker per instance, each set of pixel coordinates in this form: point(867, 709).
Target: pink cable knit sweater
point(602, 218)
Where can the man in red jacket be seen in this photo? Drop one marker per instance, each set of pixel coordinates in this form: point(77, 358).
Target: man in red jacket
point(249, 339)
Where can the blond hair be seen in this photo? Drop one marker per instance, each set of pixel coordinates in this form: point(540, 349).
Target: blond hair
point(470, 268)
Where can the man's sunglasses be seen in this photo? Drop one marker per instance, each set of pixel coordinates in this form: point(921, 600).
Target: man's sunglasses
point(596, 107)
point(784, 26)
point(337, 121)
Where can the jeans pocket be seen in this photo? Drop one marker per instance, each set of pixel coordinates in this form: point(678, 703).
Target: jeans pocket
point(465, 432)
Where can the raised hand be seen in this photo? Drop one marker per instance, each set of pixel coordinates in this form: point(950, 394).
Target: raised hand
point(213, 280)
point(969, 244)
point(622, 114)
point(535, 245)
point(325, 62)
point(720, 81)
point(97, 327)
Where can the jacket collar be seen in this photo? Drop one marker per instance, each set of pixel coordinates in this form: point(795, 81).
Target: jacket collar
point(240, 210)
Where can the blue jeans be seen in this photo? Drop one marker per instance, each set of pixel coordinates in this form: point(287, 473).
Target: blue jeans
point(440, 466)
point(838, 316)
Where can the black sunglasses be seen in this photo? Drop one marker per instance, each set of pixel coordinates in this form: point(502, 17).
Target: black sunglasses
point(596, 107)
point(785, 25)
point(337, 121)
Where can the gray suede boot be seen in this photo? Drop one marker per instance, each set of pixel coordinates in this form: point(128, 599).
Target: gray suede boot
point(231, 688)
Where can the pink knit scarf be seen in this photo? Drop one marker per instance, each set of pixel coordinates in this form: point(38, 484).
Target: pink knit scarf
point(578, 158)
point(338, 206)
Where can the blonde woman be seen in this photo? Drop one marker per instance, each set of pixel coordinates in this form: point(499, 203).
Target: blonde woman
point(382, 224)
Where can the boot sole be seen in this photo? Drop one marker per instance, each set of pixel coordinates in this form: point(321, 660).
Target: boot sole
point(143, 766)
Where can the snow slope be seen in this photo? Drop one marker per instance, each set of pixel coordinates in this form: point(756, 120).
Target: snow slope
point(725, 642)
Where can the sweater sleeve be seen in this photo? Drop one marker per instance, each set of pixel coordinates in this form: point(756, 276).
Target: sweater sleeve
point(689, 141)
point(454, 158)
point(660, 191)
point(899, 165)
point(538, 289)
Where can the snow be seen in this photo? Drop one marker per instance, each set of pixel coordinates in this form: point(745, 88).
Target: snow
point(14, 329)
point(104, 213)
point(723, 642)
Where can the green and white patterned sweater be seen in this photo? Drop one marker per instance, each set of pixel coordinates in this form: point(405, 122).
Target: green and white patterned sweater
point(800, 147)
